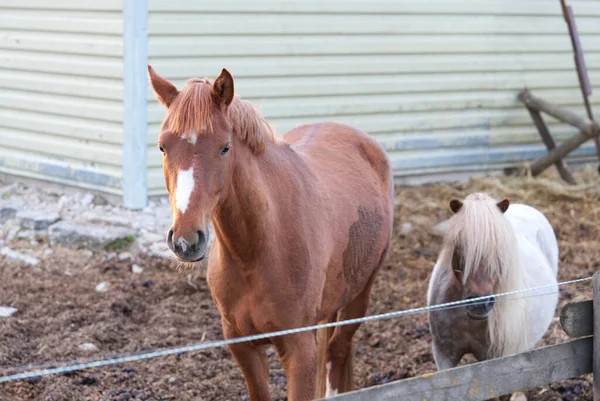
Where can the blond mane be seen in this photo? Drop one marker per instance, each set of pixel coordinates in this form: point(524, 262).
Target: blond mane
point(192, 110)
point(484, 235)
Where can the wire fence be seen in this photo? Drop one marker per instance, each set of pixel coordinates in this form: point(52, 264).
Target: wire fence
point(70, 366)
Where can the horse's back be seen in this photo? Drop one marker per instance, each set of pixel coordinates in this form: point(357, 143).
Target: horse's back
point(343, 154)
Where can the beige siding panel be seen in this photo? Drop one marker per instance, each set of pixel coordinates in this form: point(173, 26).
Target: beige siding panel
point(439, 7)
point(286, 66)
point(435, 82)
point(61, 91)
point(79, 22)
point(58, 84)
point(49, 125)
point(61, 43)
point(187, 24)
point(325, 106)
point(268, 88)
point(63, 5)
point(83, 66)
point(292, 45)
point(67, 106)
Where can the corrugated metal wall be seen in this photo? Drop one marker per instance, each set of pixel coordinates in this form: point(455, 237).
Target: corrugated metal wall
point(435, 82)
point(61, 91)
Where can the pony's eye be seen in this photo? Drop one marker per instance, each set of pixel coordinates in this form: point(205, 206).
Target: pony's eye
point(225, 150)
point(161, 148)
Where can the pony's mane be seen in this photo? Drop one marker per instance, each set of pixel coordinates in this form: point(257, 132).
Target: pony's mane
point(482, 234)
point(192, 110)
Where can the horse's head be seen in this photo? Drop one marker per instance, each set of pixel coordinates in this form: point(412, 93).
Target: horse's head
point(195, 139)
point(475, 248)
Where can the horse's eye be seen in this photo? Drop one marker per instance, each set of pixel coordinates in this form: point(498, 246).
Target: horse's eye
point(225, 150)
point(161, 148)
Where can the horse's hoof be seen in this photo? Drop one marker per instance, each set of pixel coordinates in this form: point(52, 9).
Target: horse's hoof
point(518, 397)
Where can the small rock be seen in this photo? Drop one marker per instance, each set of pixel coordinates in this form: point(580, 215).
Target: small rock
point(87, 199)
point(172, 379)
point(37, 219)
point(25, 234)
point(128, 370)
point(106, 219)
point(7, 311)
point(111, 256)
point(88, 347)
point(405, 228)
point(103, 286)
point(125, 257)
point(440, 229)
point(148, 283)
point(424, 252)
point(137, 269)
point(19, 257)
point(99, 200)
point(48, 252)
point(88, 381)
point(12, 233)
point(374, 341)
point(90, 236)
point(7, 213)
point(87, 253)
point(9, 190)
point(518, 397)
point(34, 379)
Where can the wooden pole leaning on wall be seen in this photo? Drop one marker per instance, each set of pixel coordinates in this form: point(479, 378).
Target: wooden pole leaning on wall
point(587, 130)
point(596, 357)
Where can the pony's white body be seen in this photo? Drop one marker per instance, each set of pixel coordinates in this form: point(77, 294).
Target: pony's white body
point(538, 256)
point(537, 259)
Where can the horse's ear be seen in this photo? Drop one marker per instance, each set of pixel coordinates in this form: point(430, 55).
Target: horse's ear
point(503, 205)
point(165, 91)
point(222, 93)
point(455, 205)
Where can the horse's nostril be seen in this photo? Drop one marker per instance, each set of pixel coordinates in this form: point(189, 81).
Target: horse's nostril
point(201, 239)
point(170, 238)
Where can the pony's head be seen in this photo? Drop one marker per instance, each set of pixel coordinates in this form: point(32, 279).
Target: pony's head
point(480, 247)
point(478, 235)
point(197, 139)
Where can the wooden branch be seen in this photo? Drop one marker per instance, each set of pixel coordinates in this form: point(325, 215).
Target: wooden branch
point(488, 379)
point(562, 114)
point(577, 318)
point(596, 347)
point(561, 165)
point(560, 152)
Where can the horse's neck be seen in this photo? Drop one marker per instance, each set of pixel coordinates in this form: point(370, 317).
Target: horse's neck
point(241, 219)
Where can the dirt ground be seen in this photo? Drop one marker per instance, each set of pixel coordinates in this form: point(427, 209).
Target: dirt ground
point(58, 308)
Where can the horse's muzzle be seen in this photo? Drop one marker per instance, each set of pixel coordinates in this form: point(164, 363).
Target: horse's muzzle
point(186, 251)
point(479, 310)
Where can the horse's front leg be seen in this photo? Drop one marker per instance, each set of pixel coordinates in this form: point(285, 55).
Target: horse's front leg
point(298, 353)
point(253, 362)
point(444, 357)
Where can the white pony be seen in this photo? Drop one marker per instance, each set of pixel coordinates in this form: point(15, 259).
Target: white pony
point(488, 249)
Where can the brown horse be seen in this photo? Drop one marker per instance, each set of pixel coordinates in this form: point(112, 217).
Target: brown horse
point(302, 224)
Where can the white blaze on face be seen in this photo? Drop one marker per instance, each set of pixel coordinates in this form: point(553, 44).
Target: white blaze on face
point(330, 392)
point(190, 137)
point(184, 189)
